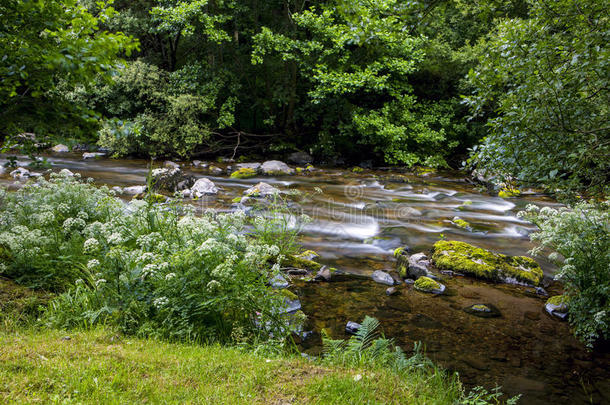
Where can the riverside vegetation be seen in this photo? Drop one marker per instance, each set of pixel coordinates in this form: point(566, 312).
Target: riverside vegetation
point(151, 271)
point(515, 92)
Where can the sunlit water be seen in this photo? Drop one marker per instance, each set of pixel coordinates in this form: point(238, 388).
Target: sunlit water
point(359, 219)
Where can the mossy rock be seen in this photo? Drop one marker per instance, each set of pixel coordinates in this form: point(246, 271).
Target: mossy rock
point(357, 169)
point(460, 223)
point(301, 263)
point(288, 294)
point(426, 284)
point(243, 173)
point(560, 302)
point(308, 255)
point(509, 192)
point(483, 310)
point(461, 257)
point(236, 200)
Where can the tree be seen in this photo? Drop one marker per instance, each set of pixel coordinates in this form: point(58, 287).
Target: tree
point(43, 44)
point(545, 83)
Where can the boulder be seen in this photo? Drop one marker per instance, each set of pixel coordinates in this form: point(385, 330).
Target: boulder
point(21, 173)
point(203, 186)
point(134, 190)
point(300, 158)
point(262, 190)
point(382, 277)
point(427, 285)
point(278, 282)
point(275, 168)
point(323, 274)
point(215, 170)
point(253, 166)
point(412, 266)
point(483, 310)
point(66, 173)
point(93, 155)
point(352, 327)
point(557, 306)
point(60, 148)
point(460, 257)
point(243, 173)
point(170, 179)
point(196, 163)
point(171, 165)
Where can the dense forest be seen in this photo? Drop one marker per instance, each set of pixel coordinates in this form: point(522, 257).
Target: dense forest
point(436, 141)
point(392, 82)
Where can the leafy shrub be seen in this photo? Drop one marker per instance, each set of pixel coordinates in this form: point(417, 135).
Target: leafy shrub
point(580, 238)
point(150, 116)
point(41, 230)
point(149, 269)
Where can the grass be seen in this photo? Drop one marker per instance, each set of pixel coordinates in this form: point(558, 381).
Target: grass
point(100, 366)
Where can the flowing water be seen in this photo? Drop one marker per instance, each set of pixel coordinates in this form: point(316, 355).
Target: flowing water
point(360, 218)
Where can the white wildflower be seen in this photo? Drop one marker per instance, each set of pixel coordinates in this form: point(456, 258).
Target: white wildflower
point(170, 276)
point(93, 264)
point(91, 245)
point(160, 302)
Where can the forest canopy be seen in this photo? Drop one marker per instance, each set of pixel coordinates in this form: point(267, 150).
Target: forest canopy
point(393, 82)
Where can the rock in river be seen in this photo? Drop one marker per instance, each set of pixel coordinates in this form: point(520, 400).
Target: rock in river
point(275, 167)
point(464, 258)
point(412, 266)
point(426, 284)
point(203, 187)
point(557, 306)
point(483, 310)
point(261, 190)
point(60, 148)
point(382, 277)
point(352, 327)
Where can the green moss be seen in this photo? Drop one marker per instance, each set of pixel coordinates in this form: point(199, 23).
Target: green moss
point(467, 202)
point(398, 251)
point(357, 169)
point(243, 173)
point(299, 170)
point(236, 199)
point(307, 255)
point(481, 307)
point(426, 284)
point(309, 168)
point(561, 301)
point(301, 263)
point(402, 271)
point(460, 223)
point(288, 294)
point(464, 258)
point(509, 192)
point(419, 170)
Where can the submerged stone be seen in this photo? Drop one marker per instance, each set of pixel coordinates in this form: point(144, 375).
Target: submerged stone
point(483, 310)
point(426, 284)
point(460, 223)
point(382, 277)
point(471, 260)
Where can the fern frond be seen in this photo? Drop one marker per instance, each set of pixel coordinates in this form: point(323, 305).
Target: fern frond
point(367, 332)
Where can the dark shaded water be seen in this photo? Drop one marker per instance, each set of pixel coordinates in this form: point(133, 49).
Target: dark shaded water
point(358, 219)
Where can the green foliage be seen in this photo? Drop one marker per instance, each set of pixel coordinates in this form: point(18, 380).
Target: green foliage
point(44, 43)
point(580, 239)
point(357, 58)
point(148, 269)
point(154, 118)
point(546, 79)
